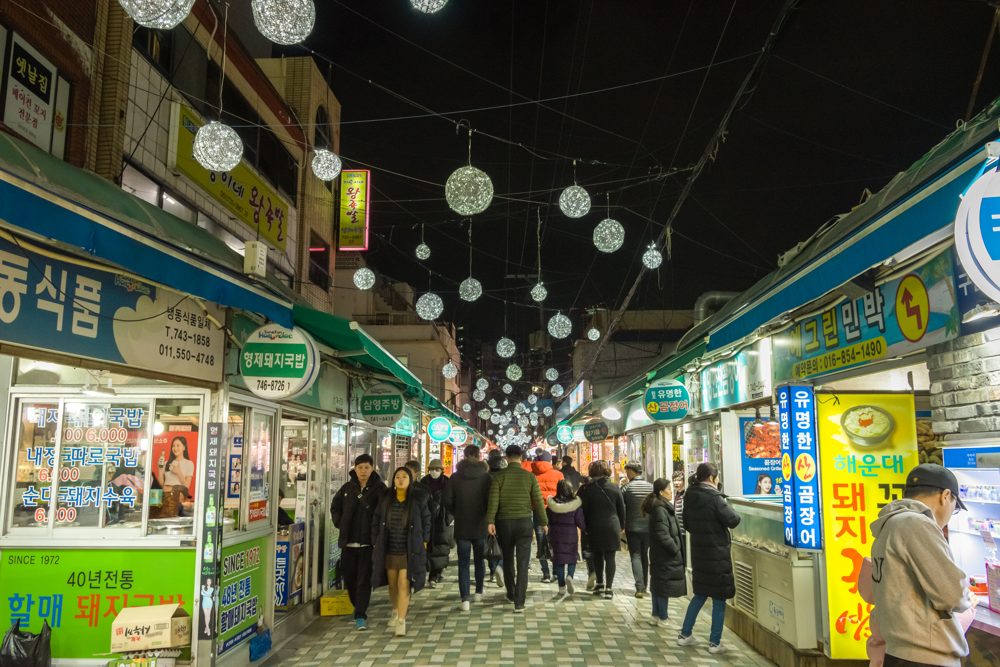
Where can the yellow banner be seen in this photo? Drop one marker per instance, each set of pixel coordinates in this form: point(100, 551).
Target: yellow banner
point(868, 442)
point(241, 191)
point(354, 195)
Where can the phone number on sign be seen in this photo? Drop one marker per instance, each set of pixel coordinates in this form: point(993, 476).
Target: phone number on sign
point(858, 353)
point(184, 354)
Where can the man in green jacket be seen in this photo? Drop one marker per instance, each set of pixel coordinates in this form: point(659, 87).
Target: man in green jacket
point(514, 497)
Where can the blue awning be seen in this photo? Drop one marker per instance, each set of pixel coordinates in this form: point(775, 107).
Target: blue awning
point(74, 208)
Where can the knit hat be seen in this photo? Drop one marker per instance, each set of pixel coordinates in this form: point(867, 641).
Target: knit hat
point(435, 463)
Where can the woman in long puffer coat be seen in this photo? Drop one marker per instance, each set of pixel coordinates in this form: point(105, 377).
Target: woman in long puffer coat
point(666, 551)
point(604, 511)
point(565, 512)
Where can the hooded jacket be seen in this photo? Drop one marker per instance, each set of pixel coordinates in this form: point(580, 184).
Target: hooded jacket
point(564, 519)
point(666, 552)
point(708, 519)
point(466, 496)
point(548, 477)
point(573, 476)
point(918, 589)
point(353, 509)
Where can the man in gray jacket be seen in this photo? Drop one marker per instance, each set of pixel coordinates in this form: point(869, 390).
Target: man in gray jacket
point(636, 525)
point(918, 588)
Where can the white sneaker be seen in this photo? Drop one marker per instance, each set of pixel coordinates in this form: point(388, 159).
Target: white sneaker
point(499, 578)
point(465, 605)
point(401, 627)
point(716, 648)
point(663, 623)
point(477, 598)
point(569, 586)
point(654, 621)
point(591, 581)
point(562, 592)
point(393, 620)
point(686, 641)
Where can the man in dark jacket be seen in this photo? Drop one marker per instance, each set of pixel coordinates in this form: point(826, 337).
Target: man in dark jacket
point(514, 499)
point(571, 474)
point(636, 525)
point(442, 530)
point(466, 497)
point(353, 511)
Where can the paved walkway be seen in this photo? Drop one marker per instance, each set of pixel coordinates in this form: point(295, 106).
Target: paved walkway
point(581, 630)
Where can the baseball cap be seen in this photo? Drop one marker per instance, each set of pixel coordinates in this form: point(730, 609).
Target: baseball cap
point(934, 476)
point(543, 456)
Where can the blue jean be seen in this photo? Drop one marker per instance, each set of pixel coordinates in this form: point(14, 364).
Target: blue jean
point(659, 607)
point(467, 548)
point(718, 617)
point(563, 571)
point(539, 537)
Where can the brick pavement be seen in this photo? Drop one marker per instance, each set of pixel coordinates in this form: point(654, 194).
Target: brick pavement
point(581, 630)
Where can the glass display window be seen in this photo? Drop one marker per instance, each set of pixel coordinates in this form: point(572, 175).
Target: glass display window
point(247, 468)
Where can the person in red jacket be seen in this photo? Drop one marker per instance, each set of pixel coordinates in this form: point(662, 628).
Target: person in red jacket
point(548, 479)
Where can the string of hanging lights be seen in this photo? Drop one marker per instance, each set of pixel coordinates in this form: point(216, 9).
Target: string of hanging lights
point(217, 147)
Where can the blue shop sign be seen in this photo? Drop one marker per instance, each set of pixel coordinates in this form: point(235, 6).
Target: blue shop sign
point(666, 401)
point(564, 434)
point(800, 467)
point(965, 457)
point(439, 429)
point(743, 377)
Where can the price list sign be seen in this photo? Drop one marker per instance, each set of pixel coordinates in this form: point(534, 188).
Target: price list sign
point(211, 538)
point(799, 454)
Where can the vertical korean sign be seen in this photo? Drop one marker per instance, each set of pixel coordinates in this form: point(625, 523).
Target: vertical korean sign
point(869, 443)
point(211, 536)
point(37, 97)
point(799, 455)
point(354, 200)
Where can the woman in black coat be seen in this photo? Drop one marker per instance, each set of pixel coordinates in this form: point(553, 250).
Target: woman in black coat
point(604, 514)
point(666, 551)
point(708, 519)
point(400, 533)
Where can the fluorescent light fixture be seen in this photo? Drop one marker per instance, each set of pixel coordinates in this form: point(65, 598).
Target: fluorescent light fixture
point(611, 412)
point(97, 390)
point(983, 310)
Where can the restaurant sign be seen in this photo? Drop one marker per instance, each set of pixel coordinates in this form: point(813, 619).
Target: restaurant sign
point(743, 377)
point(278, 363)
point(355, 199)
point(900, 316)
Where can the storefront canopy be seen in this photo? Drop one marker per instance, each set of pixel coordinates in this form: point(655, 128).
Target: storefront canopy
point(918, 203)
point(88, 215)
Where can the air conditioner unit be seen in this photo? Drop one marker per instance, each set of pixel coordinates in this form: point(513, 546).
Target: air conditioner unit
point(255, 259)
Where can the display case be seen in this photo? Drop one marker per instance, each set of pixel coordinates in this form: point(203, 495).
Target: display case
point(775, 583)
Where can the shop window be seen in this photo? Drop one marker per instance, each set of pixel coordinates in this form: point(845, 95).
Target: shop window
point(140, 185)
point(294, 466)
point(175, 206)
point(233, 467)
point(34, 463)
point(362, 442)
point(175, 476)
point(319, 261)
point(257, 462)
point(156, 45)
point(338, 456)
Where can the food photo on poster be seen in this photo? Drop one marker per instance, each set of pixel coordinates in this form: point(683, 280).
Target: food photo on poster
point(760, 451)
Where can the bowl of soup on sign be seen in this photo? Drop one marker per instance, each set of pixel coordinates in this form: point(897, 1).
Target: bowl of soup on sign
point(867, 425)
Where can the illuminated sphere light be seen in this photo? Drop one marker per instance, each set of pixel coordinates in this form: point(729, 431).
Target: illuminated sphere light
point(217, 147)
point(484, 414)
point(430, 306)
point(514, 372)
point(326, 165)
point(470, 289)
point(466, 407)
point(522, 422)
point(364, 278)
point(609, 235)
point(449, 370)
point(506, 402)
point(468, 191)
point(423, 252)
point(532, 399)
point(478, 395)
point(157, 14)
point(284, 21)
point(492, 403)
point(593, 333)
point(560, 326)
point(652, 258)
point(507, 388)
point(490, 432)
point(547, 411)
point(428, 6)
point(495, 418)
point(556, 390)
point(519, 408)
point(574, 202)
point(506, 348)
point(538, 292)
point(551, 374)
point(482, 384)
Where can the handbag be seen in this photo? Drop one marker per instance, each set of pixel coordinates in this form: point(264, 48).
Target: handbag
point(544, 549)
point(493, 551)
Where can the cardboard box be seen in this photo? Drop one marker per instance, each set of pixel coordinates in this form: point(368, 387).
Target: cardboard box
point(158, 626)
point(335, 603)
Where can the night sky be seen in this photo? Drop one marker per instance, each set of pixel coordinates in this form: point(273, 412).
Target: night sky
point(854, 92)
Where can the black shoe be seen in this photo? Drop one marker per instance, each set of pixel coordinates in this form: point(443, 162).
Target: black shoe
point(518, 610)
point(608, 594)
point(599, 590)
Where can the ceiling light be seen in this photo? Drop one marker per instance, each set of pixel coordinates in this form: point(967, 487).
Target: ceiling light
point(611, 412)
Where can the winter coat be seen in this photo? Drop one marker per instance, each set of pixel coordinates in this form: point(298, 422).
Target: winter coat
point(514, 494)
point(442, 522)
point(635, 493)
point(547, 477)
point(419, 532)
point(353, 516)
point(666, 552)
point(564, 519)
point(573, 476)
point(604, 512)
point(466, 497)
point(708, 519)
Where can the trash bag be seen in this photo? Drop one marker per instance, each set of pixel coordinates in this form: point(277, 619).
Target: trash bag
point(26, 649)
point(493, 551)
point(260, 645)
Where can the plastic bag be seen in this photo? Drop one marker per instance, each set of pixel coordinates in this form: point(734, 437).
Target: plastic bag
point(26, 649)
point(260, 645)
point(493, 551)
point(544, 550)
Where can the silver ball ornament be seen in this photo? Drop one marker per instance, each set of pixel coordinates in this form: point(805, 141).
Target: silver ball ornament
point(506, 348)
point(326, 165)
point(514, 372)
point(217, 147)
point(468, 191)
point(449, 370)
point(560, 326)
point(364, 278)
point(609, 235)
point(551, 374)
point(574, 202)
point(284, 21)
point(470, 289)
point(430, 306)
point(652, 258)
point(539, 292)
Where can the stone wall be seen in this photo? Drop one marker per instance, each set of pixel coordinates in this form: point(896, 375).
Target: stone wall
point(965, 384)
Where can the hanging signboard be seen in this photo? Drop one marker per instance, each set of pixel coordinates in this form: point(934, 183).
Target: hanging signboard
point(595, 431)
point(240, 191)
point(868, 444)
point(578, 395)
point(439, 429)
point(37, 98)
point(903, 315)
point(799, 466)
point(459, 436)
point(977, 310)
point(977, 232)
point(564, 434)
point(743, 377)
point(666, 401)
point(382, 405)
point(355, 199)
point(58, 305)
point(278, 363)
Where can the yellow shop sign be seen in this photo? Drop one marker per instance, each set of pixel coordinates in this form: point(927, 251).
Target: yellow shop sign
point(241, 191)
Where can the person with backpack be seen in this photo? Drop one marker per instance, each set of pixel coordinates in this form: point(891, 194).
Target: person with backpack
point(442, 526)
point(636, 491)
point(708, 519)
point(604, 513)
point(465, 498)
point(666, 551)
point(565, 513)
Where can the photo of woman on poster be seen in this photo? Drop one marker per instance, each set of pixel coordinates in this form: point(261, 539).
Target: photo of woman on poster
point(179, 468)
point(174, 457)
point(765, 485)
